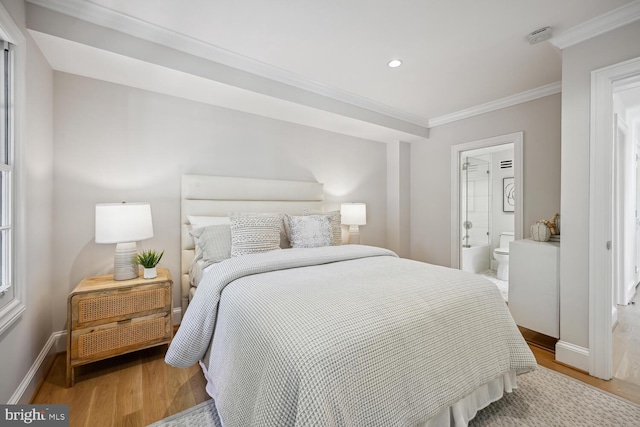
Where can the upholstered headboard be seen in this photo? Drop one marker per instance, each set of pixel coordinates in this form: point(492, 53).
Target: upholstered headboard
point(217, 196)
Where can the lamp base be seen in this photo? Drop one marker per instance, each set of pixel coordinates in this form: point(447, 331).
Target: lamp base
point(124, 264)
point(354, 235)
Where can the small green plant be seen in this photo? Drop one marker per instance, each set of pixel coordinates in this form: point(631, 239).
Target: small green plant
point(149, 258)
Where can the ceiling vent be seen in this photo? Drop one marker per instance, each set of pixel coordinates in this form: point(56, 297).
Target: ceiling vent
point(540, 35)
point(506, 164)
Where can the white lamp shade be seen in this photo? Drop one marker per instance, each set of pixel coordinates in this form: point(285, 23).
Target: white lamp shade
point(123, 222)
point(353, 213)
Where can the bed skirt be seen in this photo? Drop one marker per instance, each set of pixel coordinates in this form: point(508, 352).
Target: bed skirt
point(460, 413)
point(457, 415)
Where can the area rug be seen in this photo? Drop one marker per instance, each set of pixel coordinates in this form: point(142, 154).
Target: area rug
point(544, 398)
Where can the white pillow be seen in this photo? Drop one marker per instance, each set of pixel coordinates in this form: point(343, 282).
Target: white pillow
point(254, 232)
point(336, 224)
point(309, 231)
point(203, 221)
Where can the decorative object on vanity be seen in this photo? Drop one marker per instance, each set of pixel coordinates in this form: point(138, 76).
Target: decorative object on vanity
point(508, 195)
point(540, 231)
point(555, 237)
point(123, 224)
point(149, 259)
point(354, 215)
point(554, 228)
point(556, 222)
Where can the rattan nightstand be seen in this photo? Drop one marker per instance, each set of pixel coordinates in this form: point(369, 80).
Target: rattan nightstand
point(106, 318)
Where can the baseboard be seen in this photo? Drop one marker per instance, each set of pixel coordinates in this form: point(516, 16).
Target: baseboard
point(57, 343)
point(572, 355)
point(27, 387)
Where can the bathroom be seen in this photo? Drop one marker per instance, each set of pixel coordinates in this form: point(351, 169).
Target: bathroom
point(487, 205)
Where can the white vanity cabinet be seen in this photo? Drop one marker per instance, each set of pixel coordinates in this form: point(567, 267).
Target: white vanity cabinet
point(534, 285)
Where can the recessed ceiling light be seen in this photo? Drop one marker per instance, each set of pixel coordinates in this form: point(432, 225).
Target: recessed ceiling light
point(394, 63)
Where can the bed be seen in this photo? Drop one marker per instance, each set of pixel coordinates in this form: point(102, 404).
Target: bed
point(337, 334)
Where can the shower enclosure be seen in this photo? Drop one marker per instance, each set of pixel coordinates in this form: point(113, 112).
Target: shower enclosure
point(475, 208)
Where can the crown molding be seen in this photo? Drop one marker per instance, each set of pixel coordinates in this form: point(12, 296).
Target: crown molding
point(498, 104)
point(9, 31)
point(117, 21)
point(599, 25)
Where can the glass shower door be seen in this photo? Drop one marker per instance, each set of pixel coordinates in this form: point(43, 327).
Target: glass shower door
point(475, 213)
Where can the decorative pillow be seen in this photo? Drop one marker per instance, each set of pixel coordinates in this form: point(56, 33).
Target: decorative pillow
point(213, 242)
point(203, 221)
point(254, 232)
point(336, 227)
point(310, 231)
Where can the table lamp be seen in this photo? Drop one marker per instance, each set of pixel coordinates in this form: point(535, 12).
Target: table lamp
point(354, 215)
point(124, 224)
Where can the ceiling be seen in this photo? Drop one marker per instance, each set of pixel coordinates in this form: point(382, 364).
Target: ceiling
point(456, 54)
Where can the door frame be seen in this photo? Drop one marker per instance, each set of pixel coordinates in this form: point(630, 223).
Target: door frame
point(604, 81)
point(517, 139)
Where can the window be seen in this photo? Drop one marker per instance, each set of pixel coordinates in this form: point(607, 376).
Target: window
point(12, 249)
point(7, 294)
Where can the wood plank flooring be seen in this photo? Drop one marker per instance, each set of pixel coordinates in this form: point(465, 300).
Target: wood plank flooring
point(615, 386)
point(137, 389)
point(131, 390)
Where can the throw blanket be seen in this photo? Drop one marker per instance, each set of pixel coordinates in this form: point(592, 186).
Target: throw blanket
point(347, 335)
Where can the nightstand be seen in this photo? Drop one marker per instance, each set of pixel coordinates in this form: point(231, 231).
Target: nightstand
point(107, 318)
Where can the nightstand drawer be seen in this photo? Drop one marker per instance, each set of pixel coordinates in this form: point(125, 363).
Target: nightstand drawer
point(120, 337)
point(112, 306)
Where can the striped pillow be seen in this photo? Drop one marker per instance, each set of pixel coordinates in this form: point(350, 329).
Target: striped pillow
point(336, 227)
point(253, 233)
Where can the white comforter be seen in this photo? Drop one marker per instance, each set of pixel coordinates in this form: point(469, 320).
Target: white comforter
point(347, 335)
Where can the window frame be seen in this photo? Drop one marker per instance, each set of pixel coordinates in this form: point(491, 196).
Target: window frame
point(11, 33)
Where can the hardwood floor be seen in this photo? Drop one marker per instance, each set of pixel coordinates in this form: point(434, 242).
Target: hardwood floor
point(615, 386)
point(139, 388)
point(626, 343)
point(134, 389)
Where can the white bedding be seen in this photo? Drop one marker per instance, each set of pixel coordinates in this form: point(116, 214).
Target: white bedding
point(348, 335)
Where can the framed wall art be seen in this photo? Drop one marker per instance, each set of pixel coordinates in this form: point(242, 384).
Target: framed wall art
point(508, 195)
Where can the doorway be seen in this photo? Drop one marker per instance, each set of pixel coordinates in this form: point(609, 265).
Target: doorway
point(464, 196)
point(606, 253)
point(626, 316)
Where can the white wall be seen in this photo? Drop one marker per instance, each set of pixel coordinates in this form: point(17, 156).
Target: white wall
point(115, 143)
point(398, 198)
point(20, 345)
point(577, 63)
point(431, 174)
point(500, 220)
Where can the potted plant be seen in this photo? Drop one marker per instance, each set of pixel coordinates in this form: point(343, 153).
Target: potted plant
point(149, 259)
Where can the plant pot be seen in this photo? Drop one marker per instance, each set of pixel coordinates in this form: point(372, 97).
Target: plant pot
point(150, 273)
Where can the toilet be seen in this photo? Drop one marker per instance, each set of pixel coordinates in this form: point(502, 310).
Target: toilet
point(501, 254)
